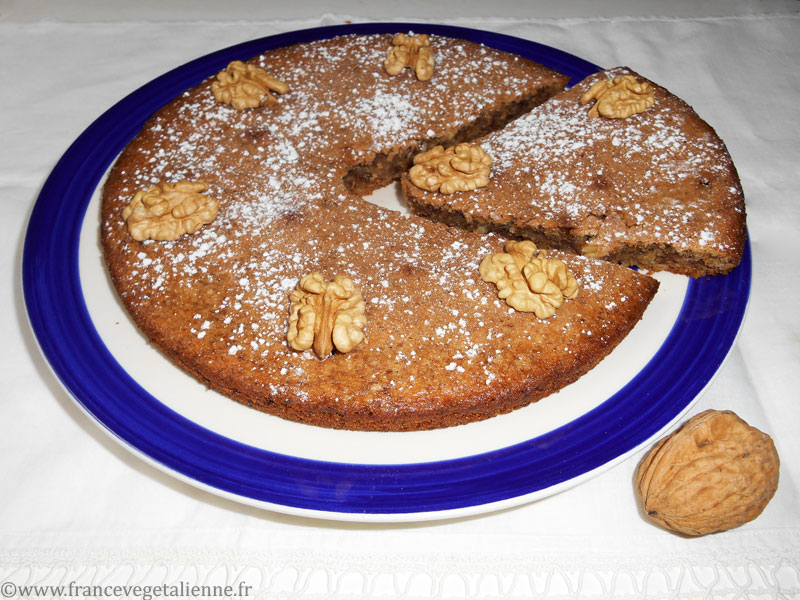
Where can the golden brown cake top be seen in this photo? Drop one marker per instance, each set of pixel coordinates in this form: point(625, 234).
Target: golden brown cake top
point(440, 347)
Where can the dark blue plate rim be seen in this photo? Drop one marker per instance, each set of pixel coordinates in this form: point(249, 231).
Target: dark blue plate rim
point(700, 339)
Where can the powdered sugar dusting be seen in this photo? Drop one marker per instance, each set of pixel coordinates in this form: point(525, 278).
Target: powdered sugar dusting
point(387, 115)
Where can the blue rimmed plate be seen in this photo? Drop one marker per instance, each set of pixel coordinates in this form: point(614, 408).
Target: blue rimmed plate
point(170, 420)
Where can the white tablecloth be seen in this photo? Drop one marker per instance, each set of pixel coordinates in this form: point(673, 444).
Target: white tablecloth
point(76, 507)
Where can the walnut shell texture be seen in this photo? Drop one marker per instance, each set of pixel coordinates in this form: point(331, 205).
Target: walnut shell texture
point(713, 474)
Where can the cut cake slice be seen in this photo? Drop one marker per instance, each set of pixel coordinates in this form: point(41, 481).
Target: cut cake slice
point(657, 189)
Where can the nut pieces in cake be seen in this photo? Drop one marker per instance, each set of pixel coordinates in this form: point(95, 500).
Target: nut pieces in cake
point(324, 314)
point(412, 51)
point(529, 281)
point(169, 210)
point(619, 98)
point(714, 473)
point(246, 86)
point(460, 168)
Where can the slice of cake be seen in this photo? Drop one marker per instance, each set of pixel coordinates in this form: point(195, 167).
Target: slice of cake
point(654, 188)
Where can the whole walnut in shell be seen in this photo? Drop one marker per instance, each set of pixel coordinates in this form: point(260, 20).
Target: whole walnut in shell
point(713, 474)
